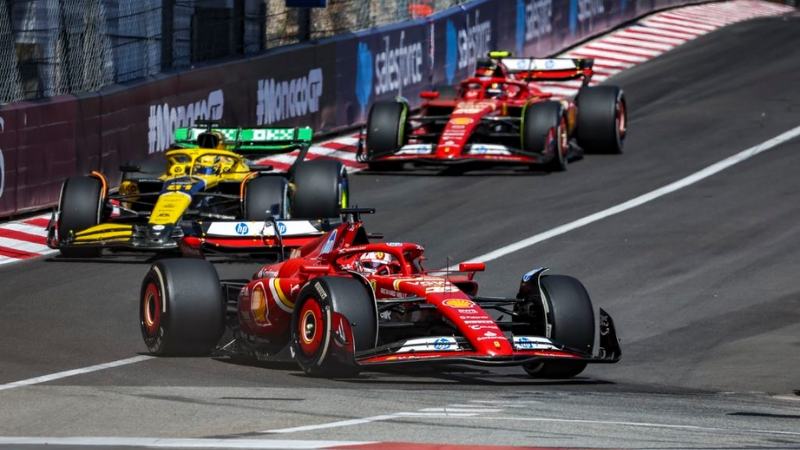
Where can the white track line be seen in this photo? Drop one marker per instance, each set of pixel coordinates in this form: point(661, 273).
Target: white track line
point(178, 443)
point(341, 423)
point(642, 199)
point(72, 373)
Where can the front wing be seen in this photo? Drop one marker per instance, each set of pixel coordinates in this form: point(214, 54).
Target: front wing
point(193, 238)
point(526, 350)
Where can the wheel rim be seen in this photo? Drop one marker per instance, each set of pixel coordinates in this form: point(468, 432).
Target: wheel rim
point(309, 327)
point(151, 310)
point(563, 139)
point(622, 121)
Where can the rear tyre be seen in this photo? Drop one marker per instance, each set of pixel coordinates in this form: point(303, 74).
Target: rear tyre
point(265, 197)
point(386, 132)
point(321, 307)
point(181, 310)
point(571, 317)
point(322, 190)
point(545, 133)
point(602, 119)
point(80, 207)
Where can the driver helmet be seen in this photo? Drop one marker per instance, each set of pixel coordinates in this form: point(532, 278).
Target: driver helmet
point(375, 262)
point(207, 165)
point(494, 90)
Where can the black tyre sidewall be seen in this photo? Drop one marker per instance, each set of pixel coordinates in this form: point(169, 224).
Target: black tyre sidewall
point(539, 118)
point(319, 186)
point(266, 196)
point(80, 207)
point(597, 119)
point(193, 311)
point(345, 296)
point(571, 316)
point(386, 128)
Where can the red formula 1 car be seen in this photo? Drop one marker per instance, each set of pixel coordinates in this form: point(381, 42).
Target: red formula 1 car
point(343, 304)
point(499, 117)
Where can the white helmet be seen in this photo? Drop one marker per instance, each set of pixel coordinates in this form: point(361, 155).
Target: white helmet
point(374, 262)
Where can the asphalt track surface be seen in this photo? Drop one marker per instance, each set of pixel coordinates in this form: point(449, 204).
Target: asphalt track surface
point(702, 284)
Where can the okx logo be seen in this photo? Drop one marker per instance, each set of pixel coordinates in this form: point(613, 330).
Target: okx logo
point(364, 76)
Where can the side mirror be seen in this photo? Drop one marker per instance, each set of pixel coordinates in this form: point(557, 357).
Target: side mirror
point(472, 267)
point(429, 95)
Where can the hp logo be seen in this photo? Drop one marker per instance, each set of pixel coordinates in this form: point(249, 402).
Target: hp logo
point(281, 228)
point(242, 228)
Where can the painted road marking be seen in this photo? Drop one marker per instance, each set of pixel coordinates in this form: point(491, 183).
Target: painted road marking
point(179, 443)
point(640, 200)
point(72, 373)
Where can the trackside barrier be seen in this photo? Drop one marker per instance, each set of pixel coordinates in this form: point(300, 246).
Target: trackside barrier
point(328, 85)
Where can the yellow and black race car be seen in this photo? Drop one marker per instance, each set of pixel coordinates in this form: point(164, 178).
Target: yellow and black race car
point(204, 196)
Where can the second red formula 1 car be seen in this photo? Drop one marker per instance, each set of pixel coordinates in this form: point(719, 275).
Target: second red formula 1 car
point(499, 117)
point(343, 304)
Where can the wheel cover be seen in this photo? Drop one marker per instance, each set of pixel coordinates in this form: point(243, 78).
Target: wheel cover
point(310, 327)
point(563, 138)
point(151, 310)
point(622, 121)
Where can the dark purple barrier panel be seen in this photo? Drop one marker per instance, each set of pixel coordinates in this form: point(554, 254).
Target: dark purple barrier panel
point(45, 150)
point(8, 159)
point(88, 149)
point(295, 86)
point(380, 65)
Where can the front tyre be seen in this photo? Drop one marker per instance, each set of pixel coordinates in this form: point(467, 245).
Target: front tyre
point(386, 133)
point(327, 307)
point(545, 132)
point(80, 207)
point(571, 319)
point(602, 119)
point(322, 190)
point(181, 310)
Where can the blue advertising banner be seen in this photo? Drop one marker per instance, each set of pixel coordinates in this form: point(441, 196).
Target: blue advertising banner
point(380, 65)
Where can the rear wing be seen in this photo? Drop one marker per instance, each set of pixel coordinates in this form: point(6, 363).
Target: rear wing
point(249, 140)
point(536, 69)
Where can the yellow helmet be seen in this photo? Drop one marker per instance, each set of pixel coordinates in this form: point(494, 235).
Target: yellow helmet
point(207, 165)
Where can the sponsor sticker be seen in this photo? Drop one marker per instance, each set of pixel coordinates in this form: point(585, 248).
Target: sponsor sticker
point(441, 344)
point(242, 229)
point(462, 121)
point(459, 303)
point(320, 290)
point(468, 311)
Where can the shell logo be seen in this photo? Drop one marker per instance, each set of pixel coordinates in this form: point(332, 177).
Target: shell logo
point(461, 121)
point(459, 303)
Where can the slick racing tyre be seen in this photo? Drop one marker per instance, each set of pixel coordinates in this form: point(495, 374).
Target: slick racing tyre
point(181, 310)
point(321, 190)
point(80, 207)
point(571, 318)
point(545, 132)
point(602, 119)
point(326, 307)
point(264, 197)
point(386, 133)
